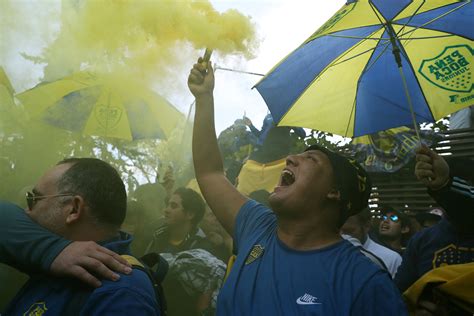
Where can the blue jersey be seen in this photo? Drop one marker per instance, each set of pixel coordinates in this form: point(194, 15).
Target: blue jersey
point(131, 295)
point(268, 278)
point(433, 247)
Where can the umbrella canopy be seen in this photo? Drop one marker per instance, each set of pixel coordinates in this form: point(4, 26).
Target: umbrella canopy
point(103, 106)
point(345, 78)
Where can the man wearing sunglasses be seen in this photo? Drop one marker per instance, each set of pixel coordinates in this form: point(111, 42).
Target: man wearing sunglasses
point(80, 199)
point(358, 226)
point(393, 227)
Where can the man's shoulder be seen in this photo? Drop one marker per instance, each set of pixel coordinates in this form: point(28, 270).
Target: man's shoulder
point(381, 250)
point(360, 262)
point(431, 235)
point(253, 220)
point(132, 293)
point(138, 280)
point(254, 211)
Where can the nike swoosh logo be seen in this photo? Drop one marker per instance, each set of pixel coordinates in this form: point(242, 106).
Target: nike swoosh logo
point(300, 302)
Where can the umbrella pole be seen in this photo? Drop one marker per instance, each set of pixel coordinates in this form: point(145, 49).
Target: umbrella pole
point(398, 59)
point(410, 104)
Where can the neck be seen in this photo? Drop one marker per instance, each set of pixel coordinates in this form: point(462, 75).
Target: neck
point(92, 232)
point(305, 235)
point(364, 239)
point(394, 244)
point(178, 233)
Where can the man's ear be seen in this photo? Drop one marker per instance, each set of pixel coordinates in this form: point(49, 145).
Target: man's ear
point(334, 194)
point(76, 210)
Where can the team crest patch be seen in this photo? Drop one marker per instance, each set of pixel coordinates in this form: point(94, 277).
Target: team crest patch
point(37, 309)
point(451, 69)
point(452, 254)
point(257, 252)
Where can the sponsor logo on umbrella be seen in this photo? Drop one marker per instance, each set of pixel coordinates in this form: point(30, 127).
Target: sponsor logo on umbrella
point(450, 70)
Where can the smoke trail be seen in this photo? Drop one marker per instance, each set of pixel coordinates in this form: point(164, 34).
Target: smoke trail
point(141, 38)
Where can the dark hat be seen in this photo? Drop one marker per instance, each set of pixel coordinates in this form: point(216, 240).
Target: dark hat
point(435, 214)
point(352, 181)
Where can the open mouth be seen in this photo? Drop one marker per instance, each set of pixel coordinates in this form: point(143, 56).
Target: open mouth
point(384, 227)
point(287, 178)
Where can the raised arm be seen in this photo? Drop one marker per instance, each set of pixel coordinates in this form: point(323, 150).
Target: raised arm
point(224, 200)
point(454, 194)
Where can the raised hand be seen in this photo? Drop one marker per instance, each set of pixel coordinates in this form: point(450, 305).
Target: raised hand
point(201, 79)
point(87, 261)
point(431, 168)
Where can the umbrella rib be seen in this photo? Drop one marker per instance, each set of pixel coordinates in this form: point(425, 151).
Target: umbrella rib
point(376, 13)
point(357, 55)
point(376, 58)
point(388, 38)
point(437, 18)
point(350, 116)
point(414, 13)
point(402, 48)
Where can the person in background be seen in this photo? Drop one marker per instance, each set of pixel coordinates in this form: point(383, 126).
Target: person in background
point(279, 248)
point(179, 231)
point(451, 240)
point(430, 218)
point(358, 226)
point(179, 234)
point(393, 228)
point(80, 199)
point(216, 234)
point(273, 142)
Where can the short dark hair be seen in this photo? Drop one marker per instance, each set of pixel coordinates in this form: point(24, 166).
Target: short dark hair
point(100, 185)
point(192, 203)
point(364, 216)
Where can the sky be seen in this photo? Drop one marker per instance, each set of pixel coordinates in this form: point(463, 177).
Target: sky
point(281, 26)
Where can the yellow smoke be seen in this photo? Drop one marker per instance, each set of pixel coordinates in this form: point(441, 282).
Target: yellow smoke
point(144, 42)
point(142, 38)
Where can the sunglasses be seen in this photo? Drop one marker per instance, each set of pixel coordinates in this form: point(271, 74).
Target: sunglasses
point(394, 218)
point(33, 198)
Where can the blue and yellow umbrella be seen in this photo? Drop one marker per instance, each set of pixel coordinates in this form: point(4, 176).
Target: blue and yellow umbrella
point(106, 105)
point(375, 65)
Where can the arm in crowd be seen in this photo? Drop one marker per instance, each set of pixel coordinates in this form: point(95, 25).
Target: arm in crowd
point(224, 200)
point(454, 194)
point(252, 128)
point(27, 246)
point(457, 198)
point(24, 244)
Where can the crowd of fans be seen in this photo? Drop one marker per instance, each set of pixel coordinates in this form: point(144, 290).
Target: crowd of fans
point(311, 246)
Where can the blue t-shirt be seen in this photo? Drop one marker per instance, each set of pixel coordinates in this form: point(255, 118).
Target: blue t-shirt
point(268, 278)
point(133, 294)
